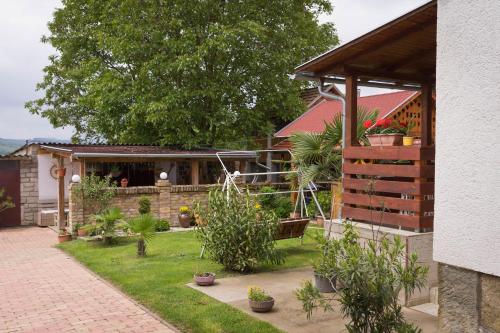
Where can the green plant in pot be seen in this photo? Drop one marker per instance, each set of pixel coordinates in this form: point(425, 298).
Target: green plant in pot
point(185, 216)
point(64, 236)
point(259, 300)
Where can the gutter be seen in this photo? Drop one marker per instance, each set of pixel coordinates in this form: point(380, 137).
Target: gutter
point(198, 155)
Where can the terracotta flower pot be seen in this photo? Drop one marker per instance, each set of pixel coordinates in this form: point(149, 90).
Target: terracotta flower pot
point(82, 232)
point(205, 279)
point(185, 220)
point(385, 139)
point(61, 172)
point(262, 306)
point(320, 221)
point(64, 238)
point(124, 182)
point(407, 141)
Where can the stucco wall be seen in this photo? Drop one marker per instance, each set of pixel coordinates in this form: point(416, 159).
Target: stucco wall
point(47, 185)
point(467, 219)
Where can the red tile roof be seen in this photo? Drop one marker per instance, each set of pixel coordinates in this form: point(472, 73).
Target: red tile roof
point(313, 120)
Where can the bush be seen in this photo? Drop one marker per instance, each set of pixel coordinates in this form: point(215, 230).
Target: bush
point(96, 191)
point(372, 276)
point(278, 203)
point(258, 294)
point(325, 201)
point(143, 226)
point(144, 205)
point(236, 232)
point(162, 225)
point(106, 223)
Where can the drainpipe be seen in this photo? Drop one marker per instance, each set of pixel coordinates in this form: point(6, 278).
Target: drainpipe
point(342, 101)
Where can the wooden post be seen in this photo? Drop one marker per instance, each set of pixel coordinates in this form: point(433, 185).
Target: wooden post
point(195, 172)
point(242, 169)
point(351, 121)
point(426, 118)
point(61, 172)
point(269, 158)
point(82, 168)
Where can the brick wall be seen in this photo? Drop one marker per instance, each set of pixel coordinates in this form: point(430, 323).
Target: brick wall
point(186, 195)
point(29, 189)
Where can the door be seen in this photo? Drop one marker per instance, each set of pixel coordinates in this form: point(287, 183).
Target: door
point(10, 180)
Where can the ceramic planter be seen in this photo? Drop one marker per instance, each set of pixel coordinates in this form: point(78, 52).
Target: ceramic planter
point(64, 238)
point(407, 141)
point(185, 220)
point(205, 279)
point(385, 139)
point(324, 284)
point(262, 306)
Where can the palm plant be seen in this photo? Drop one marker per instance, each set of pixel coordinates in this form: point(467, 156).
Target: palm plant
point(106, 223)
point(144, 227)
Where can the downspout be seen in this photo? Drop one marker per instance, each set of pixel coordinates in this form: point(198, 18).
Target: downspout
point(342, 101)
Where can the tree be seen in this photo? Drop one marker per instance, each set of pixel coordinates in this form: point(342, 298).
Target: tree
point(5, 202)
point(144, 227)
point(178, 72)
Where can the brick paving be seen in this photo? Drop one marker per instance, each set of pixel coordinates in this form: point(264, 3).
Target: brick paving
point(44, 290)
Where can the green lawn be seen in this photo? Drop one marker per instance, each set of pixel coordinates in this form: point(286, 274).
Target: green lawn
point(159, 280)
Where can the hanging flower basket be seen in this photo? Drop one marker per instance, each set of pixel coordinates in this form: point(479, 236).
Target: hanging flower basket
point(385, 132)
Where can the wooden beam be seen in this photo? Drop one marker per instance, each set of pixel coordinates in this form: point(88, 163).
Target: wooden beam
point(82, 167)
point(61, 172)
point(384, 75)
point(414, 56)
point(426, 117)
point(195, 172)
point(351, 121)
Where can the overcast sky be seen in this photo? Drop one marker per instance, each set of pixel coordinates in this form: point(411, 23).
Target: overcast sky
point(22, 55)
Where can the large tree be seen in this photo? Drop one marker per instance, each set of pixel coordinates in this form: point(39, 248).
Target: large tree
point(178, 72)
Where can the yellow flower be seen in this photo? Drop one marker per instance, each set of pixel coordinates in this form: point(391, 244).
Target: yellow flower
point(257, 206)
point(184, 209)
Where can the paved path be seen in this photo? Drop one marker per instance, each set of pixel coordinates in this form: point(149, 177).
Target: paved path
point(44, 290)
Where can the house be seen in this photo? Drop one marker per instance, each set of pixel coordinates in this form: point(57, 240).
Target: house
point(396, 105)
point(30, 174)
point(441, 196)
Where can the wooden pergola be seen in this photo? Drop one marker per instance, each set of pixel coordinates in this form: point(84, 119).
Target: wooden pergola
point(399, 55)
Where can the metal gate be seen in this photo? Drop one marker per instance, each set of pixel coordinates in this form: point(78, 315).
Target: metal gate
point(10, 180)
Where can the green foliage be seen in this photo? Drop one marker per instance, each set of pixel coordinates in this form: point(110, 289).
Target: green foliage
point(325, 201)
point(144, 227)
point(216, 70)
point(90, 228)
point(278, 203)
point(162, 225)
point(318, 156)
point(258, 294)
point(5, 201)
point(236, 233)
point(144, 205)
point(106, 223)
point(372, 277)
point(96, 191)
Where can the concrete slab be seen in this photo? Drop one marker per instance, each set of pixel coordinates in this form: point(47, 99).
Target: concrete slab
point(287, 313)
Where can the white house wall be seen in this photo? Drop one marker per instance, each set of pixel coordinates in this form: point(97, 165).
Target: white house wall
point(47, 185)
point(467, 202)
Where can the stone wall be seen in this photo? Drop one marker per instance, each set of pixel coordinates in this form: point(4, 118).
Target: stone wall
point(166, 200)
point(469, 301)
point(29, 189)
point(420, 243)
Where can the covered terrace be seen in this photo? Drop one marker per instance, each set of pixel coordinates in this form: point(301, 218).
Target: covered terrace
point(396, 187)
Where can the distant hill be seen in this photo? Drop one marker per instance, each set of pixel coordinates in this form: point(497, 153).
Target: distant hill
point(9, 145)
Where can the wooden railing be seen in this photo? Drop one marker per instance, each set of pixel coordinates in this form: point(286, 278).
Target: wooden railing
point(390, 186)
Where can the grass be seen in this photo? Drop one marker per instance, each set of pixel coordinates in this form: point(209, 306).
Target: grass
point(159, 280)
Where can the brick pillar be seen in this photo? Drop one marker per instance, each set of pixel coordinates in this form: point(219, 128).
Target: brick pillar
point(75, 205)
point(164, 187)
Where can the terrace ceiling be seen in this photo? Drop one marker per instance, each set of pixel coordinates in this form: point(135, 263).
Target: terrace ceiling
point(400, 52)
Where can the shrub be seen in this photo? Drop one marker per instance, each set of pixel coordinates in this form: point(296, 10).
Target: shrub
point(96, 191)
point(162, 225)
point(106, 223)
point(372, 276)
point(144, 205)
point(325, 201)
point(278, 203)
point(143, 226)
point(236, 233)
point(258, 295)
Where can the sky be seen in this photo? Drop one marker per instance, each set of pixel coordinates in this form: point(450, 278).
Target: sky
point(23, 56)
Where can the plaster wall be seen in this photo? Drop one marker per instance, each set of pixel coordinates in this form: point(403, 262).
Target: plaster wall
point(467, 193)
point(47, 185)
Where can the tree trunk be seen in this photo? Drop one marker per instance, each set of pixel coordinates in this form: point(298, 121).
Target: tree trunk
point(141, 248)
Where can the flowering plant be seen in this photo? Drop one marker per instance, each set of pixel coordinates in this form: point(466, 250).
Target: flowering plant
point(407, 126)
point(184, 209)
point(383, 126)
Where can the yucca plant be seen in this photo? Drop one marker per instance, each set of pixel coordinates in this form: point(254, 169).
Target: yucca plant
point(144, 227)
point(106, 223)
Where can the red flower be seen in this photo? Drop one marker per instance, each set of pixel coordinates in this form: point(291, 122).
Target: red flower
point(380, 122)
point(367, 124)
point(403, 124)
point(387, 123)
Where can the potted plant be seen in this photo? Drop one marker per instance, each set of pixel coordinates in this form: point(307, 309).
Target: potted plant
point(184, 217)
point(383, 133)
point(84, 230)
point(204, 279)
point(259, 300)
point(115, 171)
point(124, 182)
point(64, 236)
point(324, 280)
point(407, 128)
